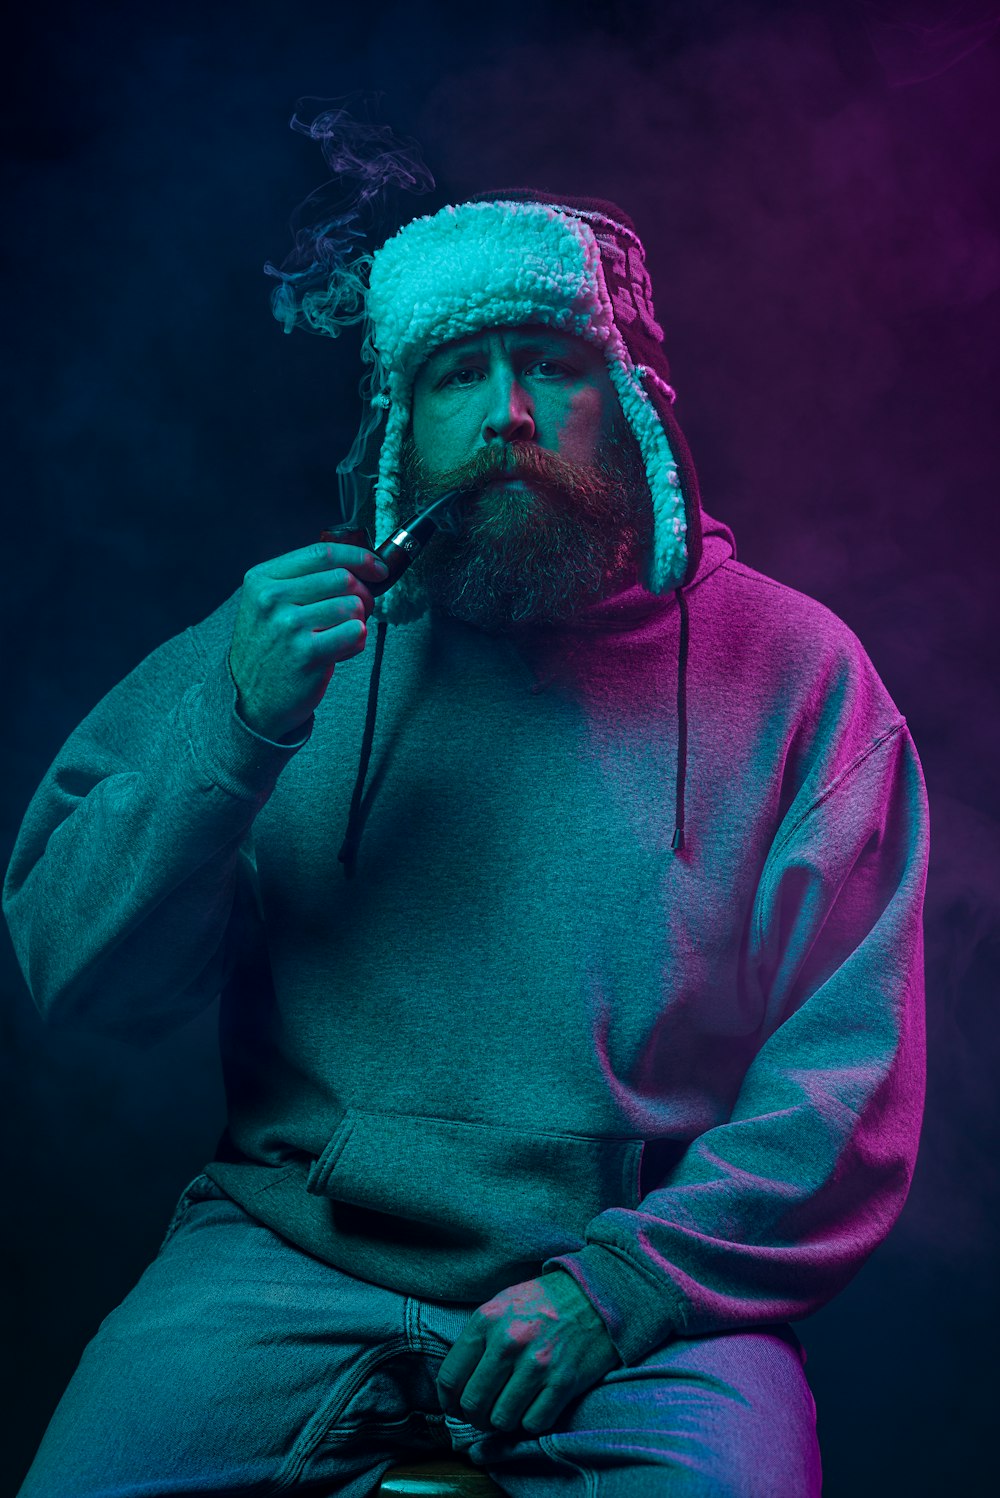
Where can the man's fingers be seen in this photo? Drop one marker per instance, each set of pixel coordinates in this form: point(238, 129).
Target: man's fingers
point(524, 1356)
point(319, 557)
point(518, 1395)
point(298, 615)
point(481, 1391)
point(543, 1412)
point(458, 1367)
point(323, 616)
point(298, 592)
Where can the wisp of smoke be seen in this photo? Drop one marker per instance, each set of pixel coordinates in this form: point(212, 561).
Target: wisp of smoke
point(323, 280)
point(322, 286)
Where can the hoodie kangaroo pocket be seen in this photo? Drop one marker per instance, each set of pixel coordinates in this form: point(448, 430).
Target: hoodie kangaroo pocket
point(504, 1198)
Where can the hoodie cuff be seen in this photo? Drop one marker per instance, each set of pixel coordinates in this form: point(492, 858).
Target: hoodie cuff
point(640, 1313)
point(226, 749)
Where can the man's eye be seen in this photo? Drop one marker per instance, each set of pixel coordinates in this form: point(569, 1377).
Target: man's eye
point(549, 369)
point(466, 375)
point(461, 377)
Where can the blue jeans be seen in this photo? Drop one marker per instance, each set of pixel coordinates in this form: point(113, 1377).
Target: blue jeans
point(240, 1364)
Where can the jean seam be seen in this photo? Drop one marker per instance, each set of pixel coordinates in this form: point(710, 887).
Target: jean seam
point(323, 1422)
point(185, 1202)
point(547, 1443)
point(411, 1320)
point(385, 1427)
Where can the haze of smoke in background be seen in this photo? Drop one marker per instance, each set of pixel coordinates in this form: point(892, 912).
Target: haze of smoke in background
point(817, 187)
point(806, 233)
point(805, 237)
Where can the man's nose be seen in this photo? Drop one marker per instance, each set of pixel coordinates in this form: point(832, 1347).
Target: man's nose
point(508, 412)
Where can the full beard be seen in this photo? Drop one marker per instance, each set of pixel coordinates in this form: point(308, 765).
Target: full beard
point(538, 554)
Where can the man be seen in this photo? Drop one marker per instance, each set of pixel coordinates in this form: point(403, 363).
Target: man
point(605, 1059)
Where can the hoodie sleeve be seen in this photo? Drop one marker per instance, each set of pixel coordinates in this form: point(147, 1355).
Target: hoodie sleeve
point(122, 881)
point(768, 1215)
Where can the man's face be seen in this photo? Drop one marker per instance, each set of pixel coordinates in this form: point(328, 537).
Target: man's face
point(527, 420)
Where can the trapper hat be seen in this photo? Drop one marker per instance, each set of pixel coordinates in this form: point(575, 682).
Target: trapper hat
point(519, 256)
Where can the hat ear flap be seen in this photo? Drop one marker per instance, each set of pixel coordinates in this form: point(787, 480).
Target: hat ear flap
point(667, 559)
point(408, 598)
point(687, 475)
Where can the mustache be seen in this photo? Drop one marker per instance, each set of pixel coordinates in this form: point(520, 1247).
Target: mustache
point(522, 460)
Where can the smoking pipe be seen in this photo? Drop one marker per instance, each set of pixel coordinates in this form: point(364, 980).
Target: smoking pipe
point(405, 544)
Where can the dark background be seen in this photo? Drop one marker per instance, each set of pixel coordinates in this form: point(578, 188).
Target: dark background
point(818, 188)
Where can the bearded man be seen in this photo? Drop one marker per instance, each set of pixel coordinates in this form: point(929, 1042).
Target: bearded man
point(605, 1060)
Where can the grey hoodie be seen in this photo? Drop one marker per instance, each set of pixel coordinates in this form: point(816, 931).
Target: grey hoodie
point(529, 1033)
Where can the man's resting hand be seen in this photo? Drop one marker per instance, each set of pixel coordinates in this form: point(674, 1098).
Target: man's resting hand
point(298, 615)
point(525, 1354)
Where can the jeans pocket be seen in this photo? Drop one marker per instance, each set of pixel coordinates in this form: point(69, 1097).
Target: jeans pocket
point(201, 1189)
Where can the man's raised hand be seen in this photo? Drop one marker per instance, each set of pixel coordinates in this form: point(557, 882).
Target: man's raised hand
point(524, 1355)
point(298, 616)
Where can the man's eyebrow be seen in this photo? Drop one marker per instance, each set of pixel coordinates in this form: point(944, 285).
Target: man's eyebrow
point(455, 351)
point(538, 341)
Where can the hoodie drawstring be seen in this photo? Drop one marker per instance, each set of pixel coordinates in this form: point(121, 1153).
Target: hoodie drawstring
point(348, 854)
point(682, 725)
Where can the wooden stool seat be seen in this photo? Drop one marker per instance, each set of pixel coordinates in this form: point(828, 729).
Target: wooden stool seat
point(439, 1478)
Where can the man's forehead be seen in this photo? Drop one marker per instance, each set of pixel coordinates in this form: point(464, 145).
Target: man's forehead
point(516, 335)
